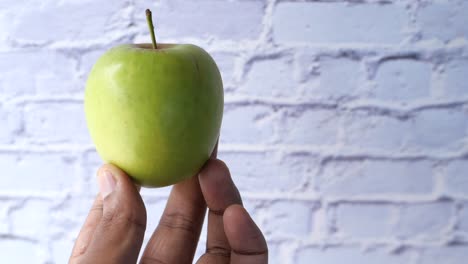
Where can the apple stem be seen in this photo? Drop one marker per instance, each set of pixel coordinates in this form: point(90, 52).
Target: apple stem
point(149, 19)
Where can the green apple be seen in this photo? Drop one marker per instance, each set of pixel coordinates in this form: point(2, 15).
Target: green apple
point(155, 110)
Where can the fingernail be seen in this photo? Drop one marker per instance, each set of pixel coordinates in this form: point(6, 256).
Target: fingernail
point(106, 182)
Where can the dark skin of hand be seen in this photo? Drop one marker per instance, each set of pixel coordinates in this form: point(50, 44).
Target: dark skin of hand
point(114, 229)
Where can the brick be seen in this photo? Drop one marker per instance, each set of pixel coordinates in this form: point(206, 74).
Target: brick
point(37, 172)
point(16, 81)
point(370, 131)
point(5, 19)
point(274, 254)
point(262, 83)
point(4, 212)
point(338, 255)
point(443, 20)
point(402, 81)
point(61, 250)
point(4, 225)
point(376, 177)
point(71, 20)
point(306, 61)
point(226, 63)
point(56, 123)
point(11, 123)
point(426, 221)
point(310, 126)
point(68, 217)
point(233, 20)
point(317, 22)
point(443, 129)
point(254, 171)
point(258, 124)
point(21, 219)
point(20, 251)
point(42, 73)
point(282, 213)
point(435, 129)
point(90, 166)
point(447, 255)
point(364, 220)
point(462, 224)
point(456, 85)
point(456, 180)
point(339, 78)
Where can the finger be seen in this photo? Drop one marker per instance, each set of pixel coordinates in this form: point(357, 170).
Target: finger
point(87, 231)
point(219, 192)
point(176, 237)
point(246, 240)
point(119, 233)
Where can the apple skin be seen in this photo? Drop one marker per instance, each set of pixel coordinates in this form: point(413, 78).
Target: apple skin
point(155, 113)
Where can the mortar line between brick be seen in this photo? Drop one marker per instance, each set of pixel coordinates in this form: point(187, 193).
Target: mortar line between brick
point(326, 152)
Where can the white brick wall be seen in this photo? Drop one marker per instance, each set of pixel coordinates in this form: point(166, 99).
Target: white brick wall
point(339, 23)
point(345, 127)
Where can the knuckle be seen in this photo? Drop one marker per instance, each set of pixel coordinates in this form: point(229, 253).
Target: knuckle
point(251, 253)
point(178, 221)
point(151, 260)
point(219, 251)
point(217, 212)
point(124, 218)
point(96, 207)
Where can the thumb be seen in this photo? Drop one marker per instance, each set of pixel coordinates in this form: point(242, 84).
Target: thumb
point(119, 233)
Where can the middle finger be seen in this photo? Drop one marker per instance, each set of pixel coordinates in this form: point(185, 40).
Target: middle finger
point(219, 192)
point(176, 237)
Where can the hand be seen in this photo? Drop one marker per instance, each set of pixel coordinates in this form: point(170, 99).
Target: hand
point(114, 229)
